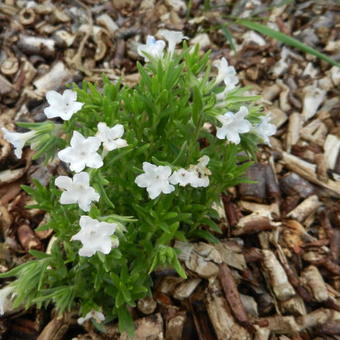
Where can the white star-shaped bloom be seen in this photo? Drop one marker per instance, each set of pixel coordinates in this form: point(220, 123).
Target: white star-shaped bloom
point(98, 316)
point(227, 74)
point(18, 140)
point(233, 125)
point(182, 177)
point(155, 179)
point(153, 47)
point(78, 190)
point(173, 38)
point(94, 236)
point(82, 153)
point(110, 137)
point(62, 105)
point(201, 171)
point(265, 129)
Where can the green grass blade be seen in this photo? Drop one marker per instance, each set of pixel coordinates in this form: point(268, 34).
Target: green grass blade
point(285, 39)
point(229, 37)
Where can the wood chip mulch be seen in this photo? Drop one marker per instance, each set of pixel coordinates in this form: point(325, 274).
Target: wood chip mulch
point(276, 272)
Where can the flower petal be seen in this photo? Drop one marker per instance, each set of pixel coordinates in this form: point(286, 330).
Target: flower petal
point(167, 189)
point(148, 167)
point(74, 107)
point(92, 143)
point(141, 181)
point(117, 131)
point(86, 252)
point(107, 228)
point(77, 166)
point(51, 112)
point(69, 96)
point(54, 98)
point(154, 191)
point(66, 155)
point(77, 139)
point(94, 161)
point(105, 246)
point(233, 137)
point(82, 178)
point(63, 182)
point(221, 132)
point(67, 197)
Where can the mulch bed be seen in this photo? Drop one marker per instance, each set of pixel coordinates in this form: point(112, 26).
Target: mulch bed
point(276, 272)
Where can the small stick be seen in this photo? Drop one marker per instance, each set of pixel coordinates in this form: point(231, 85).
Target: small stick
point(233, 297)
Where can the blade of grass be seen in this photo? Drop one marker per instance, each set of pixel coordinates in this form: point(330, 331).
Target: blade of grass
point(228, 36)
point(285, 39)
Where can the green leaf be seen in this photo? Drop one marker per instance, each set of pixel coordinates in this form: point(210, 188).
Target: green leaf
point(98, 326)
point(125, 322)
point(211, 224)
point(229, 37)
point(178, 267)
point(197, 105)
point(13, 272)
point(263, 29)
point(39, 254)
point(205, 235)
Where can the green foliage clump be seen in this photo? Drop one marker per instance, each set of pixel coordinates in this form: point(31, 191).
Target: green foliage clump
point(163, 118)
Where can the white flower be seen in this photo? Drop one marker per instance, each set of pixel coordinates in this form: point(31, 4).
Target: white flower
point(63, 106)
point(182, 177)
point(233, 125)
point(227, 74)
point(110, 137)
point(82, 153)
point(18, 140)
point(155, 180)
point(196, 175)
point(201, 171)
point(94, 236)
point(173, 38)
point(98, 316)
point(265, 129)
point(153, 47)
point(6, 297)
point(78, 190)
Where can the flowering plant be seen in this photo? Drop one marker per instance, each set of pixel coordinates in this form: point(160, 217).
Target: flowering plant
point(145, 169)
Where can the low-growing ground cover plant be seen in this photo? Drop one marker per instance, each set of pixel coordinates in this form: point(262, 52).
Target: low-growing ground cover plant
point(146, 164)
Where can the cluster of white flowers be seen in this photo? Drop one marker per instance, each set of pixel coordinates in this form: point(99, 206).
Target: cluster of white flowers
point(158, 179)
point(84, 151)
point(155, 48)
point(234, 124)
point(60, 105)
point(196, 175)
